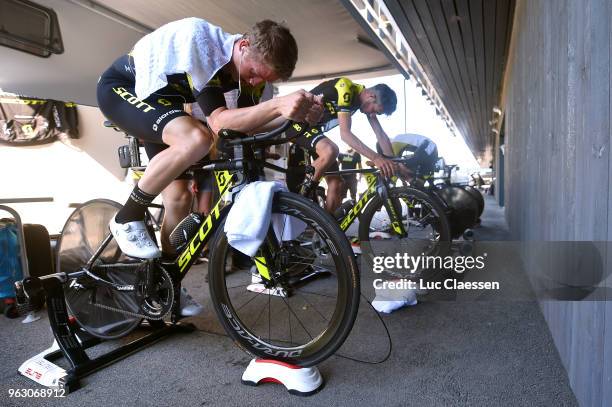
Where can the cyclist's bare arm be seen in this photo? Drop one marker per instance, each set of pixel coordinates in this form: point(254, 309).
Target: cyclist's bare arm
point(271, 125)
point(315, 114)
point(299, 106)
point(387, 167)
point(404, 172)
point(381, 136)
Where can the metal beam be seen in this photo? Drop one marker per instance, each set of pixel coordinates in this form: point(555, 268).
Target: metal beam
point(309, 78)
point(113, 15)
point(376, 19)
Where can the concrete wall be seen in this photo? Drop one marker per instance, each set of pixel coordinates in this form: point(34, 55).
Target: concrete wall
point(72, 171)
point(91, 43)
point(557, 163)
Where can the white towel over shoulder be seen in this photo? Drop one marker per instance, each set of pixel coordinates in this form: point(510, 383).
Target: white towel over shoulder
point(248, 221)
point(192, 46)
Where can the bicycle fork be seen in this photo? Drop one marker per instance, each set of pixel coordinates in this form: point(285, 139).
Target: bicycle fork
point(393, 207)
point(264, 259)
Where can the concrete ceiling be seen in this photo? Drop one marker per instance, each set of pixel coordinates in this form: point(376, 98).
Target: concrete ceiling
point(330, 41)
point(461, 47)
point(327, 35)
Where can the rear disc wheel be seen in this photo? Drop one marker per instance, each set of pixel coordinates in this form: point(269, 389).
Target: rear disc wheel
point(89, 303)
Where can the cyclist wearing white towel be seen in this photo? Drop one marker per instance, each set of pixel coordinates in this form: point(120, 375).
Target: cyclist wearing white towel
point(186, 61)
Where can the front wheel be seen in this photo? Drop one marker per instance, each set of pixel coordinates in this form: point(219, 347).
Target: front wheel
point(305, 310)
point(424, 220)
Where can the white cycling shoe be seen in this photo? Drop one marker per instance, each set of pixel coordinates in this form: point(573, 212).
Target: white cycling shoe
point(134, 240)
point(189, 306)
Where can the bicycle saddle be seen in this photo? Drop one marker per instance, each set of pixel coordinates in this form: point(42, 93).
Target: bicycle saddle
point(111, 125)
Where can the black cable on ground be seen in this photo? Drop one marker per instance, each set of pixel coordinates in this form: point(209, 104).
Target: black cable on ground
point(383, 360)
point(367, 362)
point(212, 333)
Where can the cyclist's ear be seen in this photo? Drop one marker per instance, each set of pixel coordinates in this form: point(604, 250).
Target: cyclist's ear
point(243, 44)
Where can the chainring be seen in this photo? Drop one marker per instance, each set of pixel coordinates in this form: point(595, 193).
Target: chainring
point(152, 307)
point(155, 302)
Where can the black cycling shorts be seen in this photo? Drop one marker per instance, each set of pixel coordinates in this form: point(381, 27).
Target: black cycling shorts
point(420, 157)
point(308, 141)
point(143, 119)
point(427, 161)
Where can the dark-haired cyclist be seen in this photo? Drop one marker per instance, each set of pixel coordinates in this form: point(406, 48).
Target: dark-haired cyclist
point(342, 98)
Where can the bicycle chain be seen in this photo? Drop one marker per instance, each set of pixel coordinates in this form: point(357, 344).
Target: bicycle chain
point(130, 313)
point(117, 265)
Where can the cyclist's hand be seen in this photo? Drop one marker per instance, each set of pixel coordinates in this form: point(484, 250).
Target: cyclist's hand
point(404, 172)
point(296, 106)
point(386, 166)
point(316, 110)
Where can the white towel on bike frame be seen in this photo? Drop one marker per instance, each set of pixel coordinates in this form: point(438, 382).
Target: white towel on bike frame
point(248, 220)
point(191, 45)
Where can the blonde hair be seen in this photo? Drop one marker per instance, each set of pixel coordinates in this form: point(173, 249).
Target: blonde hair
point(275, 44)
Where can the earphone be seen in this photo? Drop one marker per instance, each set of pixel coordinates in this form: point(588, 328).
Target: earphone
point(239, 65)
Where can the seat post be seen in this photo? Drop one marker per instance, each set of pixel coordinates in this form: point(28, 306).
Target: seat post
point(134, 151)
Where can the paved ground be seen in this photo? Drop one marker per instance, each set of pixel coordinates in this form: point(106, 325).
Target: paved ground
point(484, 350)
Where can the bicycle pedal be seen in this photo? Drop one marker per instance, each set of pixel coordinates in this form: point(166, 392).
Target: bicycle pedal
point(314, 272)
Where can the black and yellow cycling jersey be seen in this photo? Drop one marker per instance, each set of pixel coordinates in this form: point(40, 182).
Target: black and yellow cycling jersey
point(146, 119)
point(349, 161)
point(418, 149)
point(339, 95)
point(212, 96)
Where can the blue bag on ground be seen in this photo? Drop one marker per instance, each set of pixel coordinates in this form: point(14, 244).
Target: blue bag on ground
point(10, 261)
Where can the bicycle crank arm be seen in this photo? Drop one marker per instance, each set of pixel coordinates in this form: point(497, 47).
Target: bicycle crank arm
point(98, 280)
point(306, 276)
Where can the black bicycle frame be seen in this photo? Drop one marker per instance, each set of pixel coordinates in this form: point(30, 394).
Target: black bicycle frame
point(377, 185)
point(190, 253)
point(225, 182)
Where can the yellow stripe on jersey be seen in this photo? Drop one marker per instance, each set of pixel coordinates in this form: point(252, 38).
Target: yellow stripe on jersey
point(190, 81)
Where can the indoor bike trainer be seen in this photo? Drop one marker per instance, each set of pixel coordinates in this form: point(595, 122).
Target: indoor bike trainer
point(71, 341)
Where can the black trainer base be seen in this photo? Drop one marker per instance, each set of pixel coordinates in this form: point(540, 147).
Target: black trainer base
point(72, 340)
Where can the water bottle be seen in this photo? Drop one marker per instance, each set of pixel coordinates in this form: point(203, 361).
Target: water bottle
point(185, 230)
point(344, 209)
